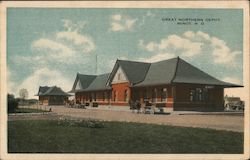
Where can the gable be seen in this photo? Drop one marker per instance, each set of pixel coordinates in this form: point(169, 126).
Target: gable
point(82, 81)
point(119, 77)
point(134, 72)
point(78, 85)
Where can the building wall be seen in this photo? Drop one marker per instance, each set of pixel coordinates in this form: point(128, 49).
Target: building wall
point(121, 94)
point(178, 97)
point(102, 97)
point(44, 100)
point(116, 96)
point(212, 98)
point(161, 96)
point(52, 100)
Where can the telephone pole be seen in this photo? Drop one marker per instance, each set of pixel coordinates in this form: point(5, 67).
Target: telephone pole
point(96, 64)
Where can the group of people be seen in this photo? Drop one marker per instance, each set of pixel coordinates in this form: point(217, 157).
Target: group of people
point(74, 104)
point(135, 105)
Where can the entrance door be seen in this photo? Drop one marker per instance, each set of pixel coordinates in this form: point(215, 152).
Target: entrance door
point(135, 95)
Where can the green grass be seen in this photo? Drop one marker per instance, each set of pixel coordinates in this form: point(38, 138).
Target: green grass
point(51, 136)
point(29, 110)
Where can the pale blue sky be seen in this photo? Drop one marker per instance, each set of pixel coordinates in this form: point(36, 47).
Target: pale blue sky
point(49, 46)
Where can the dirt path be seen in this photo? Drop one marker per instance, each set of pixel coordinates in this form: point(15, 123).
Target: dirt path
point(219, 122)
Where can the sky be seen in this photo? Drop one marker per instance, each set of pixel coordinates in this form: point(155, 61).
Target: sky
point(49, 46)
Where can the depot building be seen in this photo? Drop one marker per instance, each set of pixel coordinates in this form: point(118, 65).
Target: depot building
point(174, 84)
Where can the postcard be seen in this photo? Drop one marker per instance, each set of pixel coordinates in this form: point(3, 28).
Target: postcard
point(125, 80)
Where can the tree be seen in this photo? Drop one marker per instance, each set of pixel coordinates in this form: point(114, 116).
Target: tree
point(12, 103)
point(23, 93)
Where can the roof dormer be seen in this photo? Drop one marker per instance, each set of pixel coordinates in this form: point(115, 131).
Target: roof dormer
point(120, 76)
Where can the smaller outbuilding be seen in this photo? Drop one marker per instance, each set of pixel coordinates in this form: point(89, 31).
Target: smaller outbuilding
point(52, 95)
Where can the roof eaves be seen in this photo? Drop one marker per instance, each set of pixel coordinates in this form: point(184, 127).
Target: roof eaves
point(225, 85)
point(151, 85)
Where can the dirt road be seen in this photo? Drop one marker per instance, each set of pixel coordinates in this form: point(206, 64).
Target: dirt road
point(220, 122)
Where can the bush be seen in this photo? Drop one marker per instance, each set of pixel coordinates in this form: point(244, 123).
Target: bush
point(80, 123)
point(12, 103)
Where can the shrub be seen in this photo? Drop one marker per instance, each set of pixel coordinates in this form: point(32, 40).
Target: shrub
point(12, 103)
point(80, 123)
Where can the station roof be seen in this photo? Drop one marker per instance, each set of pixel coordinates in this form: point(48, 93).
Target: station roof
point(141, 74)
point(51, 91)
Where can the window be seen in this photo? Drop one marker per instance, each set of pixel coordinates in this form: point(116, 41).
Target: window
point(154, 94)
point(94, 96)
point(103, 96)
point(114, 96)
point(126, 95)
point(163, 94)
point(198, 94)
point(108, 95)
point(144, 94)
point(192, 93)
point(90, 97)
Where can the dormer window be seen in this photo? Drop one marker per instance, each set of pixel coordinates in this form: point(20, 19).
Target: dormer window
point(119, 76)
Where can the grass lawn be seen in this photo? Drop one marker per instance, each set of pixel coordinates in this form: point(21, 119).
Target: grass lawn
point(29, 110)
point(51, 136)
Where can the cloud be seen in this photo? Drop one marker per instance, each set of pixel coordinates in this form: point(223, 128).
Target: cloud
point(186, 46)
point(67, 46)
point(157, 57)
point(198, 36)
point(149, 14)
point(192, 44)
point(174, 44)
point(121, 23)
point(221, 52)
point(116, 17)
point(71, 26)
point(117, 27)
point(31, 62)
point(56, 49)
point(123, 58)
point(232, 80)
point(42, 77)
point(129, 23)
point(84, 42)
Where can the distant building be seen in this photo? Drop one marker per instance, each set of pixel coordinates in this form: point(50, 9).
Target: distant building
point(52, 95)
point(174, 84)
